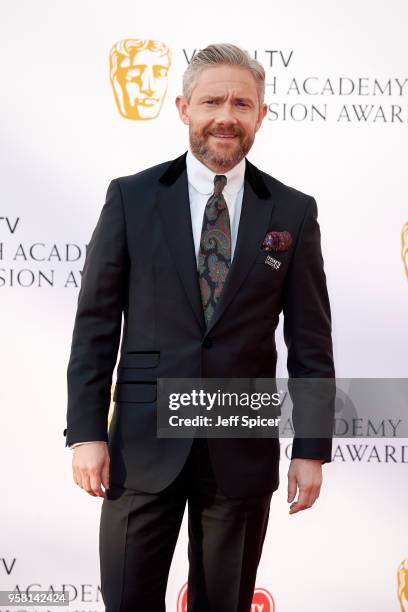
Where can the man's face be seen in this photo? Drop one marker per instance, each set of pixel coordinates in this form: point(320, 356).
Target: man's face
point(223, 115)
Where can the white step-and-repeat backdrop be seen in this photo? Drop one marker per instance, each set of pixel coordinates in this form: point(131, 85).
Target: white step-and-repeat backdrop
point(336, 128)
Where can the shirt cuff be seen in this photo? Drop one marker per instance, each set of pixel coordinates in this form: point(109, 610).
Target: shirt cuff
point(88, 442)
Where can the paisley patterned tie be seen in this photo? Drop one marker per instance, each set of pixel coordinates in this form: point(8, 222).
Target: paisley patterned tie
point(214, 256)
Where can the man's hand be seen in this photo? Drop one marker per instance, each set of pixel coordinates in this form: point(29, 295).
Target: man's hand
point(90, 467)
point(307, 475)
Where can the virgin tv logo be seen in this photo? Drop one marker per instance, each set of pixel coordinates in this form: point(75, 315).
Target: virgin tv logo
point(262, 601)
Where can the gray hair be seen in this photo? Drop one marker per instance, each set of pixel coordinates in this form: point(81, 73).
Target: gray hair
point(222, 53)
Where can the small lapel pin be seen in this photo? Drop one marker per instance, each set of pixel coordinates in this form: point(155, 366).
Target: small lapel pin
point(274, 263)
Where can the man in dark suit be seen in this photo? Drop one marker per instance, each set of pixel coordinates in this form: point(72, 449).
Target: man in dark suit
point(179, 249)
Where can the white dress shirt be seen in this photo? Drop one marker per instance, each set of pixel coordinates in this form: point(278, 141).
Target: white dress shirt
point(200, 188)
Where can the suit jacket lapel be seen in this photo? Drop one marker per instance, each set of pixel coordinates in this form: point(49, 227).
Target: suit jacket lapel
point(174, 207)
point(173, 203)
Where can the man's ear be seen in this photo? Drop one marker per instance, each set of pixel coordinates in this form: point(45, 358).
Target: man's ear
point(182, 108)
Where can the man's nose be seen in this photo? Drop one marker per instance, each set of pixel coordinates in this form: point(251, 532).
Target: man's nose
point(225, 114)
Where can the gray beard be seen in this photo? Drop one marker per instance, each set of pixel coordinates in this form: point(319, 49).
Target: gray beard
point(203, 152)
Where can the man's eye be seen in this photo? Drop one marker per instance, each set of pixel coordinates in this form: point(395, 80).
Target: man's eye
point(242, 104)
point(210, 102)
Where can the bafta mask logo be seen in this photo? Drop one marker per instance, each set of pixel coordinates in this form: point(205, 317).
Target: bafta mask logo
point(138, 73)
point(404, 247)
point(402, 581)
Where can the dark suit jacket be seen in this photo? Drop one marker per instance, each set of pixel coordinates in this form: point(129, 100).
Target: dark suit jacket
point(141, 262)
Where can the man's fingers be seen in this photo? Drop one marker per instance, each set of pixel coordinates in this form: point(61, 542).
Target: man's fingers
point(292, 487)
point(307, 474)
point(105, 474)
point(75, 475)
point(78, 478)
point(306, 499)
point(86, 484)
point(95, 484)
point(301, 503)
point(83, 480)
point(90, 466)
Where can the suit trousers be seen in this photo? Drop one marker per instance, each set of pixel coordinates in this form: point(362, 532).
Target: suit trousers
point(139, 531)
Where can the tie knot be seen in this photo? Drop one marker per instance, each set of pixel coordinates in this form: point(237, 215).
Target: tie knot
point(220, 180)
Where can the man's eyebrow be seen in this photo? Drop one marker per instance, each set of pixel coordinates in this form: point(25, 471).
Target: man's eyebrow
point(218, 98)
point(247, 100)
point(210, 97)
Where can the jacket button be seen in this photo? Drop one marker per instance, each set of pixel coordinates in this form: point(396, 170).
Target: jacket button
point(207, 342)
point(65, 432)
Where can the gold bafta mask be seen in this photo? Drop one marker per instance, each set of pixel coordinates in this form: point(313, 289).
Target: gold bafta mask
point(138, 74)
point(404, 247)
point(402, 580)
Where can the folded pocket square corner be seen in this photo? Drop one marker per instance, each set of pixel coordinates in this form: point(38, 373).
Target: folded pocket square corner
point(277, 241)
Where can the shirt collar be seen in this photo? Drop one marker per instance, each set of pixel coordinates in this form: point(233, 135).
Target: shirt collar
point(202, 178)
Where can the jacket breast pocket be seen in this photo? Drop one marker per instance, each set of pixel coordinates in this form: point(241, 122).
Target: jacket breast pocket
point(270, 266)
point(268, 273)
point(273, 260)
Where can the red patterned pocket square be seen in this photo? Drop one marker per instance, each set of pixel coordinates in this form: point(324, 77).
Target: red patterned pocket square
point(277, 241)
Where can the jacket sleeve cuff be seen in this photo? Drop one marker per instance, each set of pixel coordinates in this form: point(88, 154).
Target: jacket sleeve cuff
point(312, 448)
